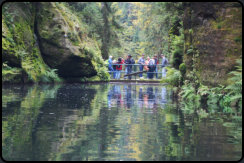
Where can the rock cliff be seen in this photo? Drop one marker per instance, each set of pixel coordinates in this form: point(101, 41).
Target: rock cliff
point(213, 37)
point(41, 38)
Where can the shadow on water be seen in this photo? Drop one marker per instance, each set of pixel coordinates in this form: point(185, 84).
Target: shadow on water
point(74, 122)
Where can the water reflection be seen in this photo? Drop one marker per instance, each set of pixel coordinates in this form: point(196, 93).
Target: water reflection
point(75, 122)
point(127, 96)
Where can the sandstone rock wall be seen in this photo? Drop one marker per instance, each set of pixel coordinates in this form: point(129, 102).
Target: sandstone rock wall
point(41, 36)
point(214, 29)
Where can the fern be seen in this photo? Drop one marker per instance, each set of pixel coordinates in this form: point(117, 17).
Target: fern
point(203, 90)
point(173, 77)
point(51, 75)
point(21, 53)
point(235, 88)
point(191, 100)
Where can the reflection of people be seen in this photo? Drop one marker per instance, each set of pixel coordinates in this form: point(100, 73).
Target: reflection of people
point(150, 93)
point(117, 93)
point(128, 96)
point(145, 99)
point(110, 93)
point(140, 101)
point(164, 95)
point(155, 97)
point(151, 97)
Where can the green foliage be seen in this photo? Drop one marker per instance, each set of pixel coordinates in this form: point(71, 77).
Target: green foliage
point(202, 114)
point(217, 100)
point(35, 68)
point(190, 31)
point(225, 104)
point(203, 90)
point(182, 69)
point(215, 94)
point(173, 77)
point(189, 51)
point(161, 24)
point(177, 58)
point(237, 39)
point(219, 26)
point(103, 74)
point(235, 88)
point(101, 21)
point(177, 49)
point(188, 94)
point(52, 76)
point(10, 74)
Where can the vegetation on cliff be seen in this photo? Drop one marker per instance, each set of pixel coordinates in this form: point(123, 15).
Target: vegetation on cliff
point(205, 71)
point(43, 44)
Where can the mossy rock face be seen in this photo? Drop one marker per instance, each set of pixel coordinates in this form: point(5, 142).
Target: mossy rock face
point(58, 43)
point(13, 34)
point(41, 37)
point(214, 30)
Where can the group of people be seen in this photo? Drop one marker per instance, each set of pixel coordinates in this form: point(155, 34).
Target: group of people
point(150, 65)
point(116, 66)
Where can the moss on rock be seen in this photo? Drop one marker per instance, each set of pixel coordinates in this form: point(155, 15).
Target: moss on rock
point(42, 40)
point(61, 46)
point(216, 28)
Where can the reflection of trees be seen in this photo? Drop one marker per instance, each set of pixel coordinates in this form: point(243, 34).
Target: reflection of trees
point(73, 119)
point(74, 122)
point(190, 139)
point(12, 97)
point(91, 133)
point(17, 127)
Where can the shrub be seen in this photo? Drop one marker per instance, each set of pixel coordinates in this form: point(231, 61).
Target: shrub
point(182, 69)
point(177, 58)
point(235, 88)
point(190, 100)
point(173, 77)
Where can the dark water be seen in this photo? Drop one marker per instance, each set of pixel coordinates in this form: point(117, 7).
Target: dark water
point(110, 122)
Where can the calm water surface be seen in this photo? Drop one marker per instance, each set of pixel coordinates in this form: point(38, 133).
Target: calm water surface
point(110, 122)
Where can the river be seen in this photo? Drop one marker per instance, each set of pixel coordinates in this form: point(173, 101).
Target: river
point(127, 122)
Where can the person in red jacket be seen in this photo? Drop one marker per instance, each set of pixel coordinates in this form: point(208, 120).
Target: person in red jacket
point(118, 68)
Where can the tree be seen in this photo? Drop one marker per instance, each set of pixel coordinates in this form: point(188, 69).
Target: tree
point(110, 25)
